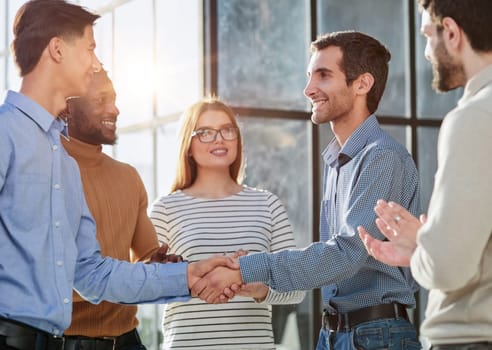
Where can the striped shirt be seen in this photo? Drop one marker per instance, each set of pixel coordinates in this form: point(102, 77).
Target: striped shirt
point(370, 165)
point(198, 228)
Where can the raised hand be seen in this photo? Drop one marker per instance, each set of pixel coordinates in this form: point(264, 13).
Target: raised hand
point(400, 227)
point(161, 256)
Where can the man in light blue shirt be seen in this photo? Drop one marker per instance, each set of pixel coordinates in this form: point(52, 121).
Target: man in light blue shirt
point(47, 235)
point(365, 301)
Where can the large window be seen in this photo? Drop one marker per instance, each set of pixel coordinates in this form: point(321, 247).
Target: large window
point(164, 55)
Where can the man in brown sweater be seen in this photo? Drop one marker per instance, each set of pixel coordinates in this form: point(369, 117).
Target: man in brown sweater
point(117, 200)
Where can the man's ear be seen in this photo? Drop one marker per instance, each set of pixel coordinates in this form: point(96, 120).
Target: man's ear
point(56, 49)
point(364, 83)
point(452, 34)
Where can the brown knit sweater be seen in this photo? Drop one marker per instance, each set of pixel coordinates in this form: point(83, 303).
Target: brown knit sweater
point(117, 200)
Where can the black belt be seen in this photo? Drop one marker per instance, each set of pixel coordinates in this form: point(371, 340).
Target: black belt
point(104, 343)
point(346, 321)
point(23, 337)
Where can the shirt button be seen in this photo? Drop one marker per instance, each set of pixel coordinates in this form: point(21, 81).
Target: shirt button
point(57, 186)
point(57, 223)
point(55, 147)
point(66, 300)
point(59, 263)
point(56, 331)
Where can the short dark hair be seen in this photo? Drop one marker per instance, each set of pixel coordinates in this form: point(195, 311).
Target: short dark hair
point(38, 21)
point(473, 16)
point(361, 53)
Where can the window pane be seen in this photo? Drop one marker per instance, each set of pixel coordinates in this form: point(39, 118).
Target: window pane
point(3, 85)
point(335, 15)
point(103, 34)
point(13, 77)
point(179, 55)
point(427, 140)
point(278, 160)
point(263, 53)
point(430, 104)
point(133, 70)
point(3, 21)
point(167, 153)
point(136, 149)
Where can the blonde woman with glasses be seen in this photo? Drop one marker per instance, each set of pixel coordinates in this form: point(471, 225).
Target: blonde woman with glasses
point(210, 212)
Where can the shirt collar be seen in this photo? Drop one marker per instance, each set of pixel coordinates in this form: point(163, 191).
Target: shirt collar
point(354, 144)
point(476, 83)
point(31, 109)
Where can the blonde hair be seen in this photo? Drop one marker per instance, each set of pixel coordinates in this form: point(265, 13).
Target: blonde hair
point(186, 170)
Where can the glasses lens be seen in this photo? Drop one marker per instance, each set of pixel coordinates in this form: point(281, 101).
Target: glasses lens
point(229, 133)
point(206, 135)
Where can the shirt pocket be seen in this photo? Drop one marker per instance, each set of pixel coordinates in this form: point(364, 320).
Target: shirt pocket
point(31, 197)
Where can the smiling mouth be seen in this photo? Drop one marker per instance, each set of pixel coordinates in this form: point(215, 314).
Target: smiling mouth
point(110, 124)
point(318, 104)
point(219, 152)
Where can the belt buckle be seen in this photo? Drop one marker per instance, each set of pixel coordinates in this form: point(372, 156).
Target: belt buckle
point(113, 339)
point(59, 339)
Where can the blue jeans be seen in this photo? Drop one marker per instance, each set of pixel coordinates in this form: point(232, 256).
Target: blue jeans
point(387, 334)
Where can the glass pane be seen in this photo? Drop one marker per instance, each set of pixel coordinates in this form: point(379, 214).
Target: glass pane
point(103, 33)
point(13, 77)
point(179, 55)
point(278, 159)
point(13, 7)
point(427, 141)
point(95, 5)
point(167, 153)
point(3, 82)
point(136, 149)
point(430, 104)
point(335, 15)
point(133, 70)
point(3, 29)
point(263, 53)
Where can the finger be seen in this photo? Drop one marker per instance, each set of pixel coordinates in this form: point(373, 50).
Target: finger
point(423, 218)
point(228, 293)
point(198, 287)
point(387, 230)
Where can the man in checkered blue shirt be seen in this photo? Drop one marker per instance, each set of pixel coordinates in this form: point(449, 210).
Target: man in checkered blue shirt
point(365, 300)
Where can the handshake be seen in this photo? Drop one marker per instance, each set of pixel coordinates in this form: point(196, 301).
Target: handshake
point(216, 279)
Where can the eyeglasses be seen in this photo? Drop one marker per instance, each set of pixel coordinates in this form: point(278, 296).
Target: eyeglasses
point(207, 135)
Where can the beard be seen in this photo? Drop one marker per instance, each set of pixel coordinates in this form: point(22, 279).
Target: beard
point(447, 74)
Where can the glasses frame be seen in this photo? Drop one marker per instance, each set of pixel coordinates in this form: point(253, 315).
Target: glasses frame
point(198, 133)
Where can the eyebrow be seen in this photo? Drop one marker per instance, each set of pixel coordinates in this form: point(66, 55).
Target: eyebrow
point(321, 70)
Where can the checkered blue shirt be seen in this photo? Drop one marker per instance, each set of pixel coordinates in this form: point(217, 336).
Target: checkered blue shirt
point(370, 165)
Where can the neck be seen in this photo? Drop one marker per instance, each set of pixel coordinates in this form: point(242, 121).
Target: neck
point(344, 127)
point(40, 90)
point(213, 184)
point(474, 62)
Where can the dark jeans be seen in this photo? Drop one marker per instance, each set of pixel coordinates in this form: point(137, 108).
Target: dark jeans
point(387, 334)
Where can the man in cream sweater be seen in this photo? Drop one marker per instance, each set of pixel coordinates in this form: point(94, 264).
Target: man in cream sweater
point(450, 252)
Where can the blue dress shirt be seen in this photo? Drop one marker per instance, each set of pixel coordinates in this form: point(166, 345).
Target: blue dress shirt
point(47, 235)
point(370, 165)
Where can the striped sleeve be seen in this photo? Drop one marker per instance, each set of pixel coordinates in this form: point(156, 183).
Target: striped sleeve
point(282, 238)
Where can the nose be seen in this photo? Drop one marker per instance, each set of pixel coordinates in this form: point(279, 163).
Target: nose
point(217, 135)
point(309, 89)
point(96, 64)
point(113, 110)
